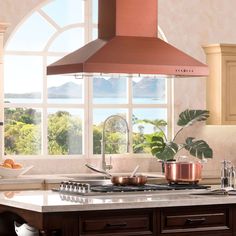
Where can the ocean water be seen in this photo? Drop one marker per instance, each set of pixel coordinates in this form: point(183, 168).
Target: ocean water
point(80, 101)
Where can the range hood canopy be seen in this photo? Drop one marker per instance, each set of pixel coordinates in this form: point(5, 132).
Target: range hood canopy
point(127, 43)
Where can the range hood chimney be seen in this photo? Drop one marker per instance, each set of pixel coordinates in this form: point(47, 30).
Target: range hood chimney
point(127, 43)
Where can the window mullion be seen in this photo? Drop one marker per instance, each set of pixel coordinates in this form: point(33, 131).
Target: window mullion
point(90, 115)
point(3, 28)
point(88, 20)
point(130, 112)
point(170, 107)
point(44, 120)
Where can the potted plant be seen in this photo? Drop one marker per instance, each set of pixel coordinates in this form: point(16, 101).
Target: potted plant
point(167, 150)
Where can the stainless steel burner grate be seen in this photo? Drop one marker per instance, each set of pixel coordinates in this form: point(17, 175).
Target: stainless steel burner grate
point(74, 187)
point(146, 187)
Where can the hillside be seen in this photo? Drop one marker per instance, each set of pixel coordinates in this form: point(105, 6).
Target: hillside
point(114, 87)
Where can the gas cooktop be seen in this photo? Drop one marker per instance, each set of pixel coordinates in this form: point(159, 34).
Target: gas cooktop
point(146, 187)
point(74, 187)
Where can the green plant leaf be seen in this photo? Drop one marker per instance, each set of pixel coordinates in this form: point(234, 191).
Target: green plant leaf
point(198, 148)
point(157, 145)
point(188, 117)
point(163, 151)
point(150, 137)
point(169, 152)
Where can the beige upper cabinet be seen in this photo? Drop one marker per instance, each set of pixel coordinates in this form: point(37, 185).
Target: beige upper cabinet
point(221, 83)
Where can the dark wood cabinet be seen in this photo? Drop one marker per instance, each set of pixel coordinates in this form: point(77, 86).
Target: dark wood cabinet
point(207, 220)
point(217, 220)
point(121, 222)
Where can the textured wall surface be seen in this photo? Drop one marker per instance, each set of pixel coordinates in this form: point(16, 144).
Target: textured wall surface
point(187, 25)
point(14, 11)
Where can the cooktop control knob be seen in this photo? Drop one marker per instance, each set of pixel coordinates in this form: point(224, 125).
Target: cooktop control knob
point(74, 187)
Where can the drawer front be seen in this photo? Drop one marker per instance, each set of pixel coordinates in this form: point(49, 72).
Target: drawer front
point(194, 219)
point(117, 224)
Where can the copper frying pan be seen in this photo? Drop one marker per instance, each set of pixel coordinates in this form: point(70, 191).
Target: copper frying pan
point(122, 180)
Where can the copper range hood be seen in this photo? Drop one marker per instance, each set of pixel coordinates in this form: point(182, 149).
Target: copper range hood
point(127, 43)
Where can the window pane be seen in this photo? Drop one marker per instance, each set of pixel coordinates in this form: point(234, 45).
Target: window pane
point(65, 12)
point(148, 90)
point(95, 34)
point(68, 41)
point(23, 84)
point(51, 59)
point(65, 89)
point(65, 131)
point(32, 35)
point(95, 11)
point(109, 90)
point(22, 131)
point(141, 131)
point(115, 131)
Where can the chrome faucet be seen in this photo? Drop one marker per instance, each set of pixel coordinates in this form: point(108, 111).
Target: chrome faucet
point(103, 140)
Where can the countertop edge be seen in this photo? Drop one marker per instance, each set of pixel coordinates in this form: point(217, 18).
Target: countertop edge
point(51, 201)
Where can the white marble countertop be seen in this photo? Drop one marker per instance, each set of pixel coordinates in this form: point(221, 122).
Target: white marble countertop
point(49, 201)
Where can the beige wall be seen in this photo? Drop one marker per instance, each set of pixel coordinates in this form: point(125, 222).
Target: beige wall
point(187, 25)
point(13, 11)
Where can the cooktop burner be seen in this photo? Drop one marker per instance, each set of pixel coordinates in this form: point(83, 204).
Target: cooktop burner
point(146, 187)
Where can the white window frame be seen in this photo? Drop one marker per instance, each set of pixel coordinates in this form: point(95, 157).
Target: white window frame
point(88, 106)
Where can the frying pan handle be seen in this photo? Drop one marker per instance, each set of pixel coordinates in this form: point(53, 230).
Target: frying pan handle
point(134, 171)
point(98, 170)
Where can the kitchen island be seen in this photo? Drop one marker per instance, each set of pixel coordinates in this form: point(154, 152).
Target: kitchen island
point(181, 212)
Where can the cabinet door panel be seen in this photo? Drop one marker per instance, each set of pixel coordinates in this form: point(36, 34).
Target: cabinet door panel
point(230, 94)
point(221, 83)
point(117, 223)
point(196, 219)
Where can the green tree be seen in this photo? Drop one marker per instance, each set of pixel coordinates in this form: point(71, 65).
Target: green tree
point(115, 143)
point(22, 131)
point(97, 136)
point(24, 115)
point(64, 134)
point(29, 141)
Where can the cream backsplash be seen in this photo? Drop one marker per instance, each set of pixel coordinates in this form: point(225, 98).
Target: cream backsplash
point(212, 22)
point(77, 165)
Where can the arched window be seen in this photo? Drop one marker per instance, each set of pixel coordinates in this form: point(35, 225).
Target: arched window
point(62, 115)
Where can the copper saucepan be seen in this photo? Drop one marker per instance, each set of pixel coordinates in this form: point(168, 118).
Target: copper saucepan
point(183, 171)
point(122, 180)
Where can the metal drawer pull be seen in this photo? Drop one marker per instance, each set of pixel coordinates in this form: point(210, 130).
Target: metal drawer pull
point(195, 221)
point(119, 225)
